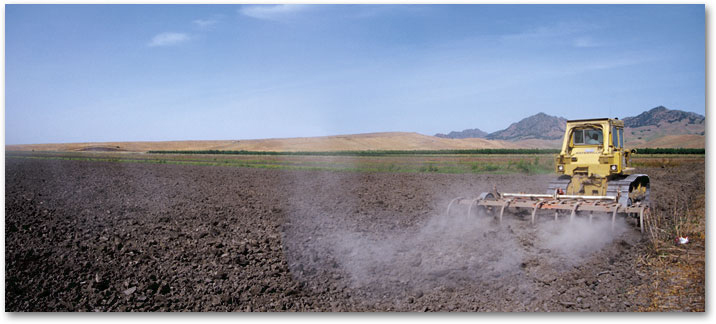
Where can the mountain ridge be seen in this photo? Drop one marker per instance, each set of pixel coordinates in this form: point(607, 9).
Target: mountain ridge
point(648, 125)
point(660, 114)
point(467, 133)
point(537, 126)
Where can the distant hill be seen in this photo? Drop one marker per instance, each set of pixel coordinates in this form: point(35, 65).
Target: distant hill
point(661, 115)
point(468, 133)
point(663, 127)
point(353, 142)
point(539, 126)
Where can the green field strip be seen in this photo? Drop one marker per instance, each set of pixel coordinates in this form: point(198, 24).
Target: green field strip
point(325, 166)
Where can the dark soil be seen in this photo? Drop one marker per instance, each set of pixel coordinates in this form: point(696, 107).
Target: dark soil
point(102, 236)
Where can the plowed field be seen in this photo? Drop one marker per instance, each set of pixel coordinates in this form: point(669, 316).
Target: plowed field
point(110, 236)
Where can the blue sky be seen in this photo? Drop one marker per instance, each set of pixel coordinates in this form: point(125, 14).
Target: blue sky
point(80, 73)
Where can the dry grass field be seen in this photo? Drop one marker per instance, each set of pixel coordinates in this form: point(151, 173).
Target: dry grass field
point(356, 142)
point(670, 141)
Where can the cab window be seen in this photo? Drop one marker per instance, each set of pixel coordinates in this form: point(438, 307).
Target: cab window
point(579, 137)
point(589, 136)
point(617, 137)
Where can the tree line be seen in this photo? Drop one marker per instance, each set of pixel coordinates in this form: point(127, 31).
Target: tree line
point(366, 153)
point(419, 152)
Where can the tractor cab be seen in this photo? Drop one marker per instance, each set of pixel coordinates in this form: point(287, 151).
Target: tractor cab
point(593, 147)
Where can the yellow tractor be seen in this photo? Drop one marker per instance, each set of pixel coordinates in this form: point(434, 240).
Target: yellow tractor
point(595, 178)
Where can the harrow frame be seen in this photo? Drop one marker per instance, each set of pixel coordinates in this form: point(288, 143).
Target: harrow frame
point(557, 202)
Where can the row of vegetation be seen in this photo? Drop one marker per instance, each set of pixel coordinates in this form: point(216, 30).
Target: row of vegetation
point(671, 151)
point(423, 152)
point(536, 166)
point(368, 153)
point(528, 164)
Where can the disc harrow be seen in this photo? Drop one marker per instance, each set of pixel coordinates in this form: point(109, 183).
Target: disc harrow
point(495, 203)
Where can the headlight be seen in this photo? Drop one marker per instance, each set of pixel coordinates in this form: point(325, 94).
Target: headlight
point(613, 167)
point(560, 167)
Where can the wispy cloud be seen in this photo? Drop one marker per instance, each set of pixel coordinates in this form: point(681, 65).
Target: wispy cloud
point(550, 31)
point(586, 42)
point(205, 23)
point(273, 12)
point(614, 63)
point(168, 39)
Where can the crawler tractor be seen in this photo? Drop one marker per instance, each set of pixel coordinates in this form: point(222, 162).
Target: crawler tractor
point(595, 177)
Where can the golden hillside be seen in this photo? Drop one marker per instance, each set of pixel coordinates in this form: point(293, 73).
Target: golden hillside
point(355, 142)
point(669, 141)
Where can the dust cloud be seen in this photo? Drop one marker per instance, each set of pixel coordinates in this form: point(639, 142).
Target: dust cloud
point(346, 235)
point(444, 251)
point(577, 240)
